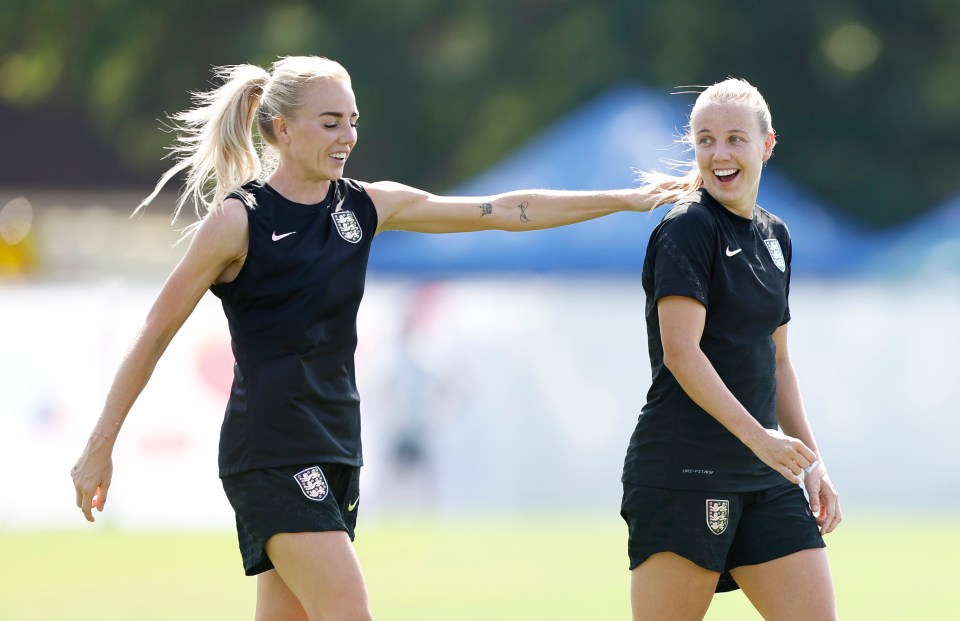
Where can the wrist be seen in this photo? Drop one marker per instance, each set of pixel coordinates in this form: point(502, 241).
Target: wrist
point(630, 200)
point(754, 436)
point(102, 437)
point(645, 199)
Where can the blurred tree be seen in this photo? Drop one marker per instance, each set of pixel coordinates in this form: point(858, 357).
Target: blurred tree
point(865, 95)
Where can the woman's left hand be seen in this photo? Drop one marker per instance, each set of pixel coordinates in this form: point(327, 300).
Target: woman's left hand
point(824, 499)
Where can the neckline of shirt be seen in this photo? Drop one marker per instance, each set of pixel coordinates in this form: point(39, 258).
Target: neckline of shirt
point(736, 220)
point(326, 202)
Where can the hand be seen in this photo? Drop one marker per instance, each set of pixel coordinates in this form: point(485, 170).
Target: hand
point(650, 196)
point(92, 474)
point(787, 455)
point(824, 499)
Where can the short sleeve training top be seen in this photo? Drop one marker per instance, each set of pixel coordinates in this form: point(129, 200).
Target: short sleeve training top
point(739, 269)
point(292, 313)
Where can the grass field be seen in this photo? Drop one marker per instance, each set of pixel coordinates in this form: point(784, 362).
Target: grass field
point(504, 569)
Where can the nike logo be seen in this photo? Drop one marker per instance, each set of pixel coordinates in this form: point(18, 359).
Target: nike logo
point(353, 505)
point(731, 253)
point(276, 237)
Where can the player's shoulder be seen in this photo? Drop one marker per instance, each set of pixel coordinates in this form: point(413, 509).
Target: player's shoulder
point(768, 215)
point(390, 188)
point(768, 220)
point(249, 194)
point(230, 218)
point(390, 197)
point(223, 232)
point(692, 212)
point(356, 196)
point(699, 204)
point(347, 187)
point(355, 190)
point(353, 185)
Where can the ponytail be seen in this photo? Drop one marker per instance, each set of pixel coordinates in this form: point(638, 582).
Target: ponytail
point(214, 142)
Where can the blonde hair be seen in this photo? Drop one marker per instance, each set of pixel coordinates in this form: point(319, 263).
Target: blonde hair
point(730, 91)
point(215, 143)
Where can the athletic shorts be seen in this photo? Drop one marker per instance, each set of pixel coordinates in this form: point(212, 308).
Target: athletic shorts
point(290, 499)
point(718, 531)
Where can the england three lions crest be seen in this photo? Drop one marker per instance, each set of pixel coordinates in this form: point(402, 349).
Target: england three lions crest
point(718, 515)
point(312, 483)
point(347, 226)
point(776, 253)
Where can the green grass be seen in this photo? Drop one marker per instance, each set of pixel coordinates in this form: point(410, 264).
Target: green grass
point(506, 569)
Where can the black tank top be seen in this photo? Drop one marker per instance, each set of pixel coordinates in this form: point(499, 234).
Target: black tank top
point(292, 313)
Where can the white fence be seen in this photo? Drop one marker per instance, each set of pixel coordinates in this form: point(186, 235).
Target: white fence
point(490, 395)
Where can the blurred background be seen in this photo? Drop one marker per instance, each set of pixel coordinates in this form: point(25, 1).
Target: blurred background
point(501, 373)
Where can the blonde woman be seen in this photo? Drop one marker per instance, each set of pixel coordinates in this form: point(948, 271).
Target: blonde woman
point(711, 478)
point(283, 241)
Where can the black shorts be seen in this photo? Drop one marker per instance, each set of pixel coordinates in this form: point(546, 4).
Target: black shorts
point(718, 531)
point(290, 499)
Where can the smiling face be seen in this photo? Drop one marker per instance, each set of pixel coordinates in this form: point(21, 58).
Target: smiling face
point(316, 140)
point(731, 148)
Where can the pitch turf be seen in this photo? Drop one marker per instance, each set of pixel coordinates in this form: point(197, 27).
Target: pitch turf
point(521, 568)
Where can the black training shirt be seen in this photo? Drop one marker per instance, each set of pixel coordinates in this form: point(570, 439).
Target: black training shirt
point(739, 269)
point(292, 314)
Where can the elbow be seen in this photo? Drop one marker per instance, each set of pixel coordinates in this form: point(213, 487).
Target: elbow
point(672, 359)
point(681, 358)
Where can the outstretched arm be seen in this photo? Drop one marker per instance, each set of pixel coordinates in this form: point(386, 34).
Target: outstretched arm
point(219, 241)
point(401, 207)
point(824, 499)
point(681, 328)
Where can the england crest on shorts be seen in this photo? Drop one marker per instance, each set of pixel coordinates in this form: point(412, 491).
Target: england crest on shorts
point(347, 226)
point(312, 483)
point(718, 515)
point(776, 253)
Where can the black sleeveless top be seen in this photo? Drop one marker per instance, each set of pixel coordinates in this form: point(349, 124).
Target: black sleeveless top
point(292, 314)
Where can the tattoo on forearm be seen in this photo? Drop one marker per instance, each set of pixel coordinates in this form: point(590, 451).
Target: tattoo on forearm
point(486, 209)
point(523, 211)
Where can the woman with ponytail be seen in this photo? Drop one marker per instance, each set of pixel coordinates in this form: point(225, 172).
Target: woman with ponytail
point(283, 239)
